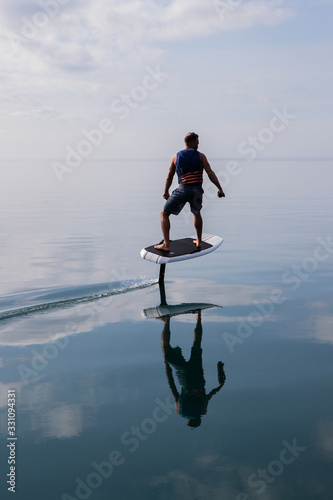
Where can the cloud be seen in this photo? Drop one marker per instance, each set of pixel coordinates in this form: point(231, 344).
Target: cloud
point(89, 36)
point(65, 421)
point(54, 51)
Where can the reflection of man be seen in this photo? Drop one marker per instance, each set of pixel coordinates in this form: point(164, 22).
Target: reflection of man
point(193, 401)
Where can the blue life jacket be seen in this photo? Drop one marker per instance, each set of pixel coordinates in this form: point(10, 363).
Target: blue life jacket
point(189, 167)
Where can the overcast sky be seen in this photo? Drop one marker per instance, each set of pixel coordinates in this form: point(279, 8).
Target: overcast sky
point(148, 71)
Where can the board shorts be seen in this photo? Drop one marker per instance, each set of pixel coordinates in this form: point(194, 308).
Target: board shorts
point(185, 193)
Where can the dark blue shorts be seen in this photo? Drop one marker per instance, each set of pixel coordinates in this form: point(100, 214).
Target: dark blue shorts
point(185, 193)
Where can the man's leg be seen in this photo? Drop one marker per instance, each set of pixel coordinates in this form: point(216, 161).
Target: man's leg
point(198, 331)
point(198, 228)
point(165, 225)
point(166, 333)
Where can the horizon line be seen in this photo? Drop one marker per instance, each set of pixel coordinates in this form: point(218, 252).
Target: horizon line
point(227, 158)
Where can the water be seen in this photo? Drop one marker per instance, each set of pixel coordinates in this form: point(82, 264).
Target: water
point(100, 408)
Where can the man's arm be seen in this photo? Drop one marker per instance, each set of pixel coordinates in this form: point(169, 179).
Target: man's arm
point(212, 176)
point(171, 382)
point(168, 182)
point(221, 379)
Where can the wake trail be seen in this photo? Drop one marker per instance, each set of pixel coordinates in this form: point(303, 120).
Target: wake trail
point(45, 300)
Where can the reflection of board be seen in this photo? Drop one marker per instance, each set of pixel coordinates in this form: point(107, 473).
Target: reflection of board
point(166, 311)
point(182, 249)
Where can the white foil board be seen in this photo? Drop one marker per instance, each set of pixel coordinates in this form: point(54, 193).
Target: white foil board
point(182, 249)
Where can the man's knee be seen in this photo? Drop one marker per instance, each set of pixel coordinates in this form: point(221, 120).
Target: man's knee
point(165, 214)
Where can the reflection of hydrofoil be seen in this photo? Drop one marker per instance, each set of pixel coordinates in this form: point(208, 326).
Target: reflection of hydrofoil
point(166, 311)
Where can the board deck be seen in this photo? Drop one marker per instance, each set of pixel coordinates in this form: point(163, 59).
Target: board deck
point(182, 249)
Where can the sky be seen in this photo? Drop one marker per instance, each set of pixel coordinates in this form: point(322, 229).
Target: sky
point(109, 79)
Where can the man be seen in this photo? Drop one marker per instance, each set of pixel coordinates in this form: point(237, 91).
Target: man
point(189, 165)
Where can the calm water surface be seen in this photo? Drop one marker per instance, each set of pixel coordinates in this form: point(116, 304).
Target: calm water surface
point(226, 393)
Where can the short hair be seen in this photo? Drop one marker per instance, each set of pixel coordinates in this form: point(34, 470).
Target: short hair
point(190, 137)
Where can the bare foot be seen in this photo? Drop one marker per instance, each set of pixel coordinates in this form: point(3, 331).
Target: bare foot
point(162, 246)
point(197, 243)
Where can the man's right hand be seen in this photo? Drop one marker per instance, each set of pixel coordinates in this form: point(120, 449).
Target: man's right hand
point(166, 195)
point(220, 193)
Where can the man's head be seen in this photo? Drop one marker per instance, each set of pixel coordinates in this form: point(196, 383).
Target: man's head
point(192, 140)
